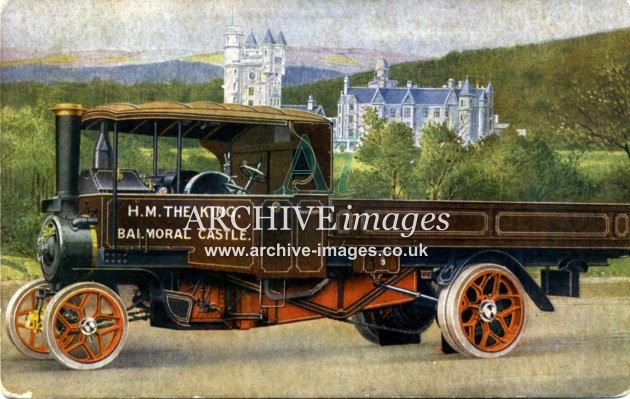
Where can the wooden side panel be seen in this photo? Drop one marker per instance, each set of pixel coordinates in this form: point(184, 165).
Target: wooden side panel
point(480, 224)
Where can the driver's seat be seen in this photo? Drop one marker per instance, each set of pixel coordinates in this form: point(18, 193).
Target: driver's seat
point(211, 182)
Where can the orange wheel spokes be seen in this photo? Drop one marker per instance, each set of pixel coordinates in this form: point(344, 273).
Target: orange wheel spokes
point(95, 320)
point(490, 311)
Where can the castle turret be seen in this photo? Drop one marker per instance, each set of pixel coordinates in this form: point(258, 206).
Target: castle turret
point(233, 41)
point(382, 80)
point(466, 102)
point(482, 126)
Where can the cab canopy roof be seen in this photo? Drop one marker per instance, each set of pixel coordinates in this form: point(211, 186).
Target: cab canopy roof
point(202, 120)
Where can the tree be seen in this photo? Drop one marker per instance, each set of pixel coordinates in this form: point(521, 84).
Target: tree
point(387, 152)
point(517, 168)
point(441, 153)
point(27, 175)
point(599, 112)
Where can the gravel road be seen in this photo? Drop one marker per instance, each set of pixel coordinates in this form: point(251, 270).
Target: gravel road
point(581, 350)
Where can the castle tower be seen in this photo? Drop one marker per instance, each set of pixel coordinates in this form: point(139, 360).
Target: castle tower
point(490, 112)
point(482, 125)
point(253, 72)
point(233, 43)
point(466, 106)
point(382, 80)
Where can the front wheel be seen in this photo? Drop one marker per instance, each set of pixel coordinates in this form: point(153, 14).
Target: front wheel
point(24, 318)
point(85, 325)
point(482, 313)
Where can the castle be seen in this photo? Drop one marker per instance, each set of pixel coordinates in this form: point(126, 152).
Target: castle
point(465, 109)
point(253, 75)
point(253, 72)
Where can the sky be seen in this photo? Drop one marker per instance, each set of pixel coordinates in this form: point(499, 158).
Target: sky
point(423, 27)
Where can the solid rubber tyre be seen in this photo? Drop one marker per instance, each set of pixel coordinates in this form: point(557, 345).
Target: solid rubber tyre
point(24, 321)
point(483, 312)
point(85, 325)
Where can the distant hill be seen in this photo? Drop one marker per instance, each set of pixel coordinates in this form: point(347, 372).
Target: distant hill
point(304, 65)
point(167, 71)
point(193, 72)
point(529, 80)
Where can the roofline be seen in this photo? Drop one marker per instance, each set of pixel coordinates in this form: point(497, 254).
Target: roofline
point(203, 111)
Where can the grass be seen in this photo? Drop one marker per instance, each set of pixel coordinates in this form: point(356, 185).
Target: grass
point(596, 164)
point(616, 268)
point(18, 267)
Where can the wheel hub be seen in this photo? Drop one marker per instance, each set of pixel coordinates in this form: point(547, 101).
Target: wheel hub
point(487, 310)
point(34, 321)
point(88, 326)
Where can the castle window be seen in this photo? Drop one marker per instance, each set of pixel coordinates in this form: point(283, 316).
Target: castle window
point(250, 90)
point(425, 112)
point(252, 75)
point(436, 113)
point(407, 112)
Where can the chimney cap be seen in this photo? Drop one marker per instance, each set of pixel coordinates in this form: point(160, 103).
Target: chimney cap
point(68, 109)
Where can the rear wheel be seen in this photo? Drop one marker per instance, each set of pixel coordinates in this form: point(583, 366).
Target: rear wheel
point(85, 325)
point(378, 325)
point(482, 313)
point(24, 318)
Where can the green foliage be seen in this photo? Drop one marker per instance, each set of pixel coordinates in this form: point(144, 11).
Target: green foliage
point(441, 154)
point(27, 172)
point(325, 92)
point(99, 92)
point(599, 113)
point(517, 168)
point(388, 148)
point(506, 168)
point(27, 155)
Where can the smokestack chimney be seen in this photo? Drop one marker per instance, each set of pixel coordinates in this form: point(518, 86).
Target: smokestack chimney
point(68, 146)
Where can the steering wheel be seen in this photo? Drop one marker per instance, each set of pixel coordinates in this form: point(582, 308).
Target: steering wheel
point(253, 174)
point(236, 189)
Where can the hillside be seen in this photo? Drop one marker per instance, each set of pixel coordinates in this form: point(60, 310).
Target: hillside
point(528, 80)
